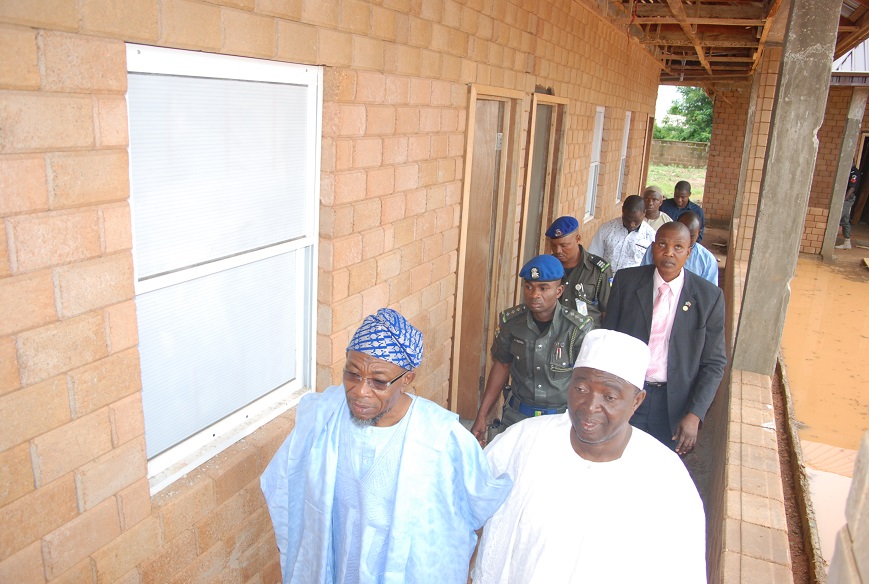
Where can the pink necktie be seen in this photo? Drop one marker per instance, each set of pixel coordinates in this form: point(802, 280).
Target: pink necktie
point(657, 338)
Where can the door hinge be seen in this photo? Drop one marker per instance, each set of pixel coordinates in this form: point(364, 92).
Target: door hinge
point(499, 140)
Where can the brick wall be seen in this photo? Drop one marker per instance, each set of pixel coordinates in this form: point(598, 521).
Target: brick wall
point(747, 213)
point(393, 148)
point(671, 152)
point(74, 497)
point(726, 150)
point(729, 117)
point(829, 149)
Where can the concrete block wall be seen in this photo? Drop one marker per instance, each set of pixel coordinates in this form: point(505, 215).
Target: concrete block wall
point(74, 496)
point(729, 117)
point(850, 563)
point(671, 152)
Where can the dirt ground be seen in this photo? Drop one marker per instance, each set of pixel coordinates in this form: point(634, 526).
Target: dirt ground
point(797, 538)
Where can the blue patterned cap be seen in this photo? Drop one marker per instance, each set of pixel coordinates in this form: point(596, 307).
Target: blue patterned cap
point(562, 226)
point(387, 335)
point(542, 268)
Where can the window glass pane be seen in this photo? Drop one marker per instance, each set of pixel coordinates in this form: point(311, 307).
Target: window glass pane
point(217, 168)
point(598, 135)
point(215, 344)
point(591, 196)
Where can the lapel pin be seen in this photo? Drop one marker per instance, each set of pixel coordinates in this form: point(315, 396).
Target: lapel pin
point(686, 306)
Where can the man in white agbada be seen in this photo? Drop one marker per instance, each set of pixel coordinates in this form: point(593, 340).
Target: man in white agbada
point(375, 485)
point(594, 500)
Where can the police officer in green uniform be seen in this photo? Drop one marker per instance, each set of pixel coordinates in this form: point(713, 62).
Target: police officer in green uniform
point(587, 277)
point(535, 346)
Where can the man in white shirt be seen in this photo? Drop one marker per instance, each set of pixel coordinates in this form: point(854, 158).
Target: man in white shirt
point(594, 500)
point(623, 242)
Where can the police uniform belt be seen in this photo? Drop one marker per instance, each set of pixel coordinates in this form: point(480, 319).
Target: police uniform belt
point(531, 411)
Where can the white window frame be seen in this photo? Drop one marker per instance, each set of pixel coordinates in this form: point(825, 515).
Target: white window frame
point(624, 156)
point(168, 466)
point(594, 166)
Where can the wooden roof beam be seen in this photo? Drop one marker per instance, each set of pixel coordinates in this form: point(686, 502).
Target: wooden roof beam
point(707, 43)
point(850, 40)
point(678, 11)
point(753, 11)
point(692, 21)
point(770, 16)
point(695, 80)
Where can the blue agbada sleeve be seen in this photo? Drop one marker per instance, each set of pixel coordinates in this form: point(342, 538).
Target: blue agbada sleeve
point(299, 487)
point(446, 491)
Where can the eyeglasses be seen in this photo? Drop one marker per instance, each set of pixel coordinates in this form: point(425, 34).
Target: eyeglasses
point(351, 378)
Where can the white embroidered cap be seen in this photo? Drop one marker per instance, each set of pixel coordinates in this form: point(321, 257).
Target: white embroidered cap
point(616, 353)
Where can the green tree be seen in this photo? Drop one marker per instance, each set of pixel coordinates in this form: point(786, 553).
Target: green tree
point(694, 124)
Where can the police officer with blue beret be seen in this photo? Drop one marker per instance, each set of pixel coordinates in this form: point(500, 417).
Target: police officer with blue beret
point(587, 277)
point(535, 347)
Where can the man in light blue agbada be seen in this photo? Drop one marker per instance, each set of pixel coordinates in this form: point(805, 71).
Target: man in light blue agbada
point(376, 485)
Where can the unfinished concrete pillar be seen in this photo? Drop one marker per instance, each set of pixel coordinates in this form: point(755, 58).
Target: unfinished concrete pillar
point(846, 157)
point(798, 111)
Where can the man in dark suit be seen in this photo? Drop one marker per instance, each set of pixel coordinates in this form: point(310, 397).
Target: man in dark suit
point(681, 316)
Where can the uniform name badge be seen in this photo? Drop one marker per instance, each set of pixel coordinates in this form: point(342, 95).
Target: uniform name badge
point(581, 307)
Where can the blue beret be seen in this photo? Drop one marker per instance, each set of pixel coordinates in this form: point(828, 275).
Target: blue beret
point(542, 268)
point(562, 226)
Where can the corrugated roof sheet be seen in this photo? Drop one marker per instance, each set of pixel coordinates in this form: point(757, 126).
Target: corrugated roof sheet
point(848, 7)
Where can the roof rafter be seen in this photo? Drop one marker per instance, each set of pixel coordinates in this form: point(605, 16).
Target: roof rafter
point(692, 21)
point(703, 41)
point(770, 16)
point(849, 41)
point(753, 10)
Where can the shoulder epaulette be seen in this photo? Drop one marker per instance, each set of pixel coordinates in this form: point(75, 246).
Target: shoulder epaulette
point(599, 261)
point(576, 318)
point(512, 313)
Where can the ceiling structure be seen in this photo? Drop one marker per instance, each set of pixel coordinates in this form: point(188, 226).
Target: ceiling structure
point(710, 42)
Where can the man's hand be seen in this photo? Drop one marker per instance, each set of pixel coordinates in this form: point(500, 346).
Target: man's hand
point(686, 434)
point(499, 374)
point(479, 430)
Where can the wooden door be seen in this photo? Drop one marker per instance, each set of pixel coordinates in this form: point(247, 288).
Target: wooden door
point(477, 282)
point(542, 174)
point(487, 245)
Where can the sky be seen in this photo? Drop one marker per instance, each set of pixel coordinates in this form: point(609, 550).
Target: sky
point(666, 94)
